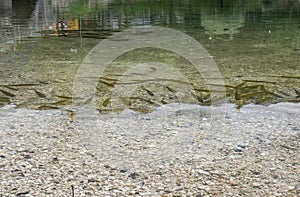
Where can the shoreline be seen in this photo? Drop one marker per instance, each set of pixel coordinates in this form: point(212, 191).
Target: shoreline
point(253, 152)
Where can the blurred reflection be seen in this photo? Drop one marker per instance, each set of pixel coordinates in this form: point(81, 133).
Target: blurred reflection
point(16, 22)
point(223, 19)
point(6, 29)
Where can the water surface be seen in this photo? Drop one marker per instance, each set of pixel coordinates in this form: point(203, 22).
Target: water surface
point(255, 44)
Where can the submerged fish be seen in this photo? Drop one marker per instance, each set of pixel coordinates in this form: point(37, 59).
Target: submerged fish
point(8, 87)
point(163, 102)
point(146, 100)
point(201, 90)
point(25, 84)
point(109, 79)
point(47, 107)
point(106, 102)
point(274, 94)
point(40, 94)
point(198, 98)
point(240, 85)
point(64, 97)
point(148, 91)
point(63, 101)
point(237, 96)
point(7, 93)
point(170, 89)
point(298, 93)
point(88, 101)
point(259, 81)
point(106, 83)
point(4, 99)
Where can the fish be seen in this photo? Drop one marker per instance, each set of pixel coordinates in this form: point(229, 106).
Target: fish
point(7, 93)
point(288, 77)
point(25, 84)
point(106, 102)
point(125, 101)
point(140, 74)
point(146, 100)
point(201, 90)
point(11, 88)
point(250, 95)
point(259, 81)
point(40, 94)
point(262, 88)
point(237, 96)
point(240, 85)
point(109, 79)
point(4, 99)
point(198, 98)
point(148, 91)
point(274, 94)
point(47, 107)
point(71, 113)
point(153, 69)
point(170, 89)
point(88, 101)
point(64, 97)
point(229, 86)
point(62, 101)
point(163, 102)
point(106, 83)
point(298, 93)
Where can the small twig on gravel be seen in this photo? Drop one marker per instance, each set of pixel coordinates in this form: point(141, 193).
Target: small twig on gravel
point(72, 187)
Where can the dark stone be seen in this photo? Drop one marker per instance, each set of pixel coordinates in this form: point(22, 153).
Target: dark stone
point(256, 173)
point(23, 193)
point(242, 146)
point(132, 175)
point(238, 150)
point(91, 180)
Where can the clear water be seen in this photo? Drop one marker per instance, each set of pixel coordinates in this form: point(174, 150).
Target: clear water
point(255, 45)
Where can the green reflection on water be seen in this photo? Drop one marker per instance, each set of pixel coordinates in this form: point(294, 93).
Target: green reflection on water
point(255, 45)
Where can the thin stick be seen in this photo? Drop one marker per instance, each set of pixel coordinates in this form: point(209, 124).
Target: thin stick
point(72, 186)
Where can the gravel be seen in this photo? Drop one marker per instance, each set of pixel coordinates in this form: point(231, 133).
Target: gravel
point(253, 151)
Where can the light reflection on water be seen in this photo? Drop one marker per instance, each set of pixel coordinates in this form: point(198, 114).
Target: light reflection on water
point(256, 45)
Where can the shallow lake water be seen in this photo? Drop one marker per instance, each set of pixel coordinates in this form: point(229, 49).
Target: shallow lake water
point(217, 82)
point(254, 46)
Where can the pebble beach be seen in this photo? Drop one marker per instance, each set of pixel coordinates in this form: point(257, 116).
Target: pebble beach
point(254, 151)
